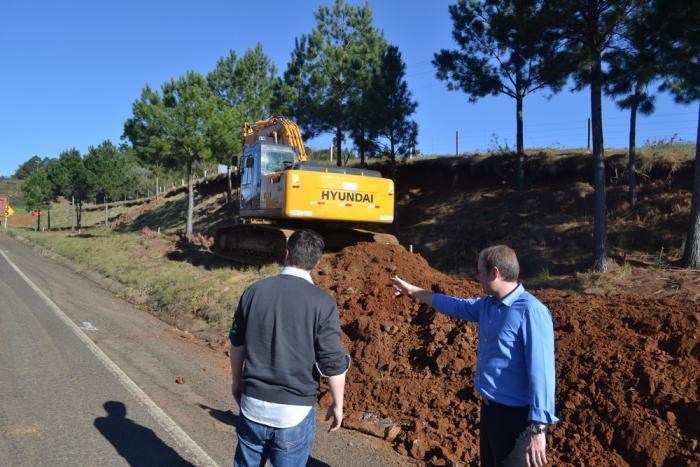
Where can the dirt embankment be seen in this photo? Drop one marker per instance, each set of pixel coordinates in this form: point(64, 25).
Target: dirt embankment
point(627, 367)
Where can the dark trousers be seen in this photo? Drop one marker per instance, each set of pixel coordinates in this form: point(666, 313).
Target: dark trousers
point(501, 426)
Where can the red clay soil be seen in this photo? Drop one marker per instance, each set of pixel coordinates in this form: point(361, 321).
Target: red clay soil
point(26, 220)
point(627, 367)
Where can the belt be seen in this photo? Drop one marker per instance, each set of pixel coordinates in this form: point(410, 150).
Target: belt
point(493, 403)
point(490, 402)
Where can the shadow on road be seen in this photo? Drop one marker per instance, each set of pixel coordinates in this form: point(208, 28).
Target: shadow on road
point(137, 444)
point(224, 416)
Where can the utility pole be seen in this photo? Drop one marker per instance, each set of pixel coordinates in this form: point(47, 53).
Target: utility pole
point(72, 204)
point(457, 143)
point(588, 145)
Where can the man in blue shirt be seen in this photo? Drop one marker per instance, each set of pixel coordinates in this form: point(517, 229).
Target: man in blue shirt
point(515, 374)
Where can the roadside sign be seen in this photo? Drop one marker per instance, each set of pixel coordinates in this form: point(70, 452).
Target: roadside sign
point(36, 212)
point(9, 211)
point(4, 202)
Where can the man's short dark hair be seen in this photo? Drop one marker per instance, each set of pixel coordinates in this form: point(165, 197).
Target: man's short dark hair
point(304, 249)
point(502, 257)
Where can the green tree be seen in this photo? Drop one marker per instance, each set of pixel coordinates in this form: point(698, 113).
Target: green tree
point(146, 132)
point(327, 68)
point(107, 164)
point(69, 178)
point(245, 90)
point(503, 49)
point(589, 29)
point(31, 166)
point(392, 103)
point(227, 124)
point(37, 192)
point(631, 69)
point(675, 36)
point(247, 83)
point(108, 167)
point(137, 176)
point(189, 105)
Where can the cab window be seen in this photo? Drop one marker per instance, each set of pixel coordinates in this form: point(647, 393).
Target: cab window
point(276, 161)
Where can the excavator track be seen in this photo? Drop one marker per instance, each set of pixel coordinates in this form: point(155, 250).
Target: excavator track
point(267, 243)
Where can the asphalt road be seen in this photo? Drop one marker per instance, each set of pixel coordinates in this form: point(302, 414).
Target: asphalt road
point(87, 379)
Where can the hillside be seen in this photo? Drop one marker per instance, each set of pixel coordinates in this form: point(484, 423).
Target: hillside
point(627, 347)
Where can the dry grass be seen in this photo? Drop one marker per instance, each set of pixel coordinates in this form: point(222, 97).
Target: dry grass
point(197, 297)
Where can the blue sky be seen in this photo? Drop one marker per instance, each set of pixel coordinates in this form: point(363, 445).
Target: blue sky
point(72, 69)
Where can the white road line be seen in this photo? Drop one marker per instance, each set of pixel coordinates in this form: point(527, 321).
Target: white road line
point(178, 434)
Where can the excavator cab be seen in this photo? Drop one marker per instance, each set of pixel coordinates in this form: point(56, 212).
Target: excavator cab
point(262, 168)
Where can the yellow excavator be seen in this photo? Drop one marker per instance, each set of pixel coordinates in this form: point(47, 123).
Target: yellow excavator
point(279, 190)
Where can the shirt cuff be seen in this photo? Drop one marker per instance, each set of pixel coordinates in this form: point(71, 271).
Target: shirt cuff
point(235, 339)
point(333, 369)
point(542, 416)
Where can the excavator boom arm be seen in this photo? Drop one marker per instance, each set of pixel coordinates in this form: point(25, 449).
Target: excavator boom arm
point(281, 129)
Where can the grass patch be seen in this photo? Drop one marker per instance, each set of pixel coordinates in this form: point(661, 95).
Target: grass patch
point(189, 296)
point(61, 214)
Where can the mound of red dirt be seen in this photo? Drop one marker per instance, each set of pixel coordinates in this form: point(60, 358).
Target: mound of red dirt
point(627, 368)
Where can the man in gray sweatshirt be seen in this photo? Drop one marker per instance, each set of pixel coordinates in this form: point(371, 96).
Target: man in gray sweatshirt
point(285, 336)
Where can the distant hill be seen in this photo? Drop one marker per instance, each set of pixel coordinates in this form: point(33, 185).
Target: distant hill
point(12, 187)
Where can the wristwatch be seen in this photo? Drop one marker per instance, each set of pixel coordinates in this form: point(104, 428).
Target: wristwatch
point(536, 428)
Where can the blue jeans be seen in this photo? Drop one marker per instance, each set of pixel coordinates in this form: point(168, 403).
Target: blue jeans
point(284, 447)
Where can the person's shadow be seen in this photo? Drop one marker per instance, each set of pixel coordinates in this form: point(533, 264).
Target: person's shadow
point(137, 444)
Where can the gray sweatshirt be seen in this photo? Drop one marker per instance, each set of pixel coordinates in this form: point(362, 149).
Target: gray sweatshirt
point(287, 326)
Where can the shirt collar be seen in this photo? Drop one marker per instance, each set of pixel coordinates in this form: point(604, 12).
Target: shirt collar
point(512, 296)
point(297, 272)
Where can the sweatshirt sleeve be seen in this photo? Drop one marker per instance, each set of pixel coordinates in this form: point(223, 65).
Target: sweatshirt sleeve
point(331, 358)
point(538, 334)
point(237, 332)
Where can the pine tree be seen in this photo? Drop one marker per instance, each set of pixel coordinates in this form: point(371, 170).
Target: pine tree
point(589, 28)
point(674, 31)
point(37, 192)
point(69, 178)
point(631, 69)
point(392, 104)
point(189, 106)
point(503, 49)
point(146, 133)
point(326, 70)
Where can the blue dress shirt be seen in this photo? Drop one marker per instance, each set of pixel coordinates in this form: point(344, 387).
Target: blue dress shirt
point(516, 349)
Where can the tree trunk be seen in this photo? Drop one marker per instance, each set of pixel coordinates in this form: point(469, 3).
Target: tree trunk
point(691, 257)
point(339, 146)
point(632, 163)
point(520, 182)
point(190, 200)
point(393, 161)
point(106, 211)
point(361, 148)
point(157, 186)
point(600, 228)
